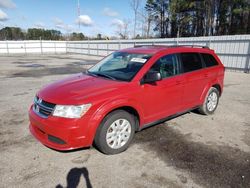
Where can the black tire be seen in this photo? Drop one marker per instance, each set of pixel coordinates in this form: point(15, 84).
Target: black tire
point(100, 137)
point(204, 109)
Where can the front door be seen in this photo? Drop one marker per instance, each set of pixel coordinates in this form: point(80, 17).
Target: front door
point(163, 98)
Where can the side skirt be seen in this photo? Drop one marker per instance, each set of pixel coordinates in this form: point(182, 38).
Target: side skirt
point(145, 126)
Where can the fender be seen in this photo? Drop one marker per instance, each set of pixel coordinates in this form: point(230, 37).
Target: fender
point(204, 92)
point(207, 87)
point(106, 108)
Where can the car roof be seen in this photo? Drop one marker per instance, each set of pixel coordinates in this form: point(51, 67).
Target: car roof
point(153, 49)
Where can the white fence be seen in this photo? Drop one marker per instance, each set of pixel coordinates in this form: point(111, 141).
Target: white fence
point(234, 51)
point(32, 47)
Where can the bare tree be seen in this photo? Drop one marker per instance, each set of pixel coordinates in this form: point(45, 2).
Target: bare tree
point(160, 11)
point(122, 28)
point(146, 19)
point(142, 19)
point(124, 34)
point(135, 4)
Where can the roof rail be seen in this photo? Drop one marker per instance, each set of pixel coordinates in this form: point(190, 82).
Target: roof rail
point(148, 45)
point(171, 46)
point(192, 46)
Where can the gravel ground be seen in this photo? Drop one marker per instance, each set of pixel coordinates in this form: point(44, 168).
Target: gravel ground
point(191, 150)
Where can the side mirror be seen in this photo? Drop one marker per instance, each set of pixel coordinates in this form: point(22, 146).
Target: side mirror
point(152, 76)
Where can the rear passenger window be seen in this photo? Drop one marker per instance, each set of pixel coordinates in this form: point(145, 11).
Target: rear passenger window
point(191, 61)
point(209, 60)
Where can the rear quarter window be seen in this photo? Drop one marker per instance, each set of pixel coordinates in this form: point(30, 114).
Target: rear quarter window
point(191, 62)
point(209, 60)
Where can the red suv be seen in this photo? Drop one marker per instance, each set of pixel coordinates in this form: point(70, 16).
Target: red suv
point(125, 92)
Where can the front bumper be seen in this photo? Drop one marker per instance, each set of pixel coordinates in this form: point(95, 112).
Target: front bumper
point(60, 133)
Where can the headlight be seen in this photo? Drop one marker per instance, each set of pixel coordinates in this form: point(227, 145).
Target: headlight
point(69, 111)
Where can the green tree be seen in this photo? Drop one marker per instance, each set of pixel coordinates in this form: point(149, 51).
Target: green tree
point(77, 36)
point(11, 33)
point(159, 10)
point(99, 36)
point(232, 16)
point(239, 16)
point(36, 34)
point(199, 17)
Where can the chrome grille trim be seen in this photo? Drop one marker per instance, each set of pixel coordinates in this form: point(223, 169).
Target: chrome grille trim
point(43, 108)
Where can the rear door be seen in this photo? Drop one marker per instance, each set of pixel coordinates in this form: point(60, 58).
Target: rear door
point(195, 78)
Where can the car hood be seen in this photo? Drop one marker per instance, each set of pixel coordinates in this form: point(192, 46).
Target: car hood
point(77, 89)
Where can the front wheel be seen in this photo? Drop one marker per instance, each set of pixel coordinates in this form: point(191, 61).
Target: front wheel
point(211, 102)
point(115, 132)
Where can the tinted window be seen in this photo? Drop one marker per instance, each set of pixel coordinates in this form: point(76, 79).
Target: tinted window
point(167, 66)
point(209, 60)
point(191, 61)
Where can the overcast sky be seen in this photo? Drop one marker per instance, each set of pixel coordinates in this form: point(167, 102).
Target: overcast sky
point(96, 16)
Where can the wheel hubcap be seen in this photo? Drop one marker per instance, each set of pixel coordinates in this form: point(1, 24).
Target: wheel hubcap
point(212, 101)
point(118, 133)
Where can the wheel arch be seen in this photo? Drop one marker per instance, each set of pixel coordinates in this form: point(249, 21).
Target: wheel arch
point(206, 89)
point(218, 87)
point(103, 111)
point(132, 111)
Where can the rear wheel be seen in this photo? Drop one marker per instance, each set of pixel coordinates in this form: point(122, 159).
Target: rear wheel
point(115, 132)
point(211, 102)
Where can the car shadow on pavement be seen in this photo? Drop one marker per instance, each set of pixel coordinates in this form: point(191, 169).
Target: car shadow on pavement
point(74, 176)
point(208, 164)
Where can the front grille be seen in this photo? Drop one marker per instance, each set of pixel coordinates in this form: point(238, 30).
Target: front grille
point(43, 108)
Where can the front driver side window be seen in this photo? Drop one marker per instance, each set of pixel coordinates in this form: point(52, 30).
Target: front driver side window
point(166, 65)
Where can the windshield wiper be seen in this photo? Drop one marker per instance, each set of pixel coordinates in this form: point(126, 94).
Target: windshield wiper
point(104, 75)
point(95, 74)
point(91, 73)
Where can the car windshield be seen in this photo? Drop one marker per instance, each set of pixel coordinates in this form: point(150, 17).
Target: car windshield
point(119, 66)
